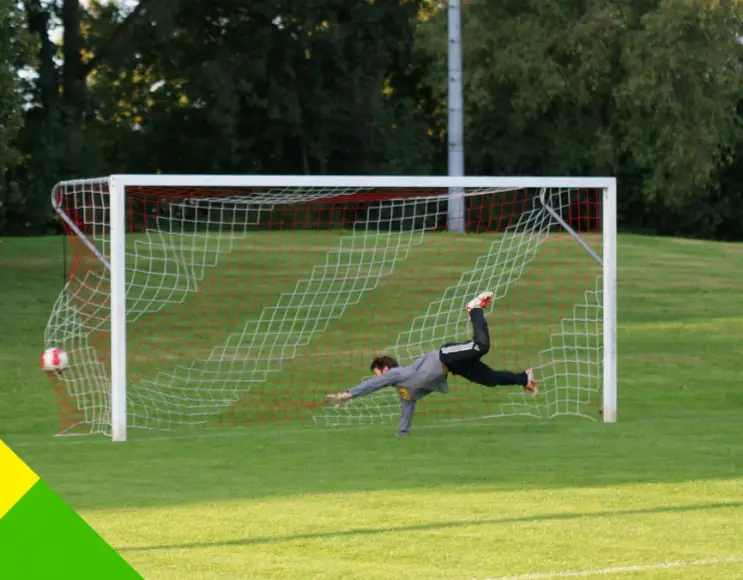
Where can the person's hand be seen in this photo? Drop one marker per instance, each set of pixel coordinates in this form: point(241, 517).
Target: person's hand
point(337, 399)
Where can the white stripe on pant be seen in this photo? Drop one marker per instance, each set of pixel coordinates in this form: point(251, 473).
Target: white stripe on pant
point(458, 347)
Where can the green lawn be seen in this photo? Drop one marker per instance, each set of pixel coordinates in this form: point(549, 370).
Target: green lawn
point(657, 495)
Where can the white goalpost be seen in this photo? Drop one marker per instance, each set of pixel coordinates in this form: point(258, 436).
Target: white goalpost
point(218, 300)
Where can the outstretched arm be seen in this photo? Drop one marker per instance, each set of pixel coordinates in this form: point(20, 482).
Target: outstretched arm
point(367, 387)
point(375, 383)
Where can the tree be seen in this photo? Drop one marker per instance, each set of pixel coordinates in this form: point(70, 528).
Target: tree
point(313, 86)
point(679, 104)
point(60, 137)
point(11, 56)
point(646, 90)
point(538, 76)
point(309, 86)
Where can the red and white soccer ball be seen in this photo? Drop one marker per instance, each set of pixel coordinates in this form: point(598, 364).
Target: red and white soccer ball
point(54, 360)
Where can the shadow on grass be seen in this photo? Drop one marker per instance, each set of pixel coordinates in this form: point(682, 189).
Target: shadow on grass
point(432, 526)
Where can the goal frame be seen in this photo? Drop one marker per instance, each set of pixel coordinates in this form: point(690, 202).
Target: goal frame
point(117, 185)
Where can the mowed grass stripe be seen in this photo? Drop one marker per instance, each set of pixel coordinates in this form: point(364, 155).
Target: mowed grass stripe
point(475, 530)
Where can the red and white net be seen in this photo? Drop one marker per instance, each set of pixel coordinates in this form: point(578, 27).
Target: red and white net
point(247, 305)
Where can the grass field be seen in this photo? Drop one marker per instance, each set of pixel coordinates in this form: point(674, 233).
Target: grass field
point(657, 495)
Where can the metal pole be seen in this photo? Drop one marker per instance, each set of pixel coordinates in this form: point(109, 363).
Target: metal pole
point(610, 303)
point(455, 116)
point(118, 307)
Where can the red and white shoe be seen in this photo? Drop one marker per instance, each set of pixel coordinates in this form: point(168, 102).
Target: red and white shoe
point(480, 302)
point(531, 383)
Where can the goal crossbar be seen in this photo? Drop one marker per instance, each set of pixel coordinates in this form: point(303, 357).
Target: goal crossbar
point(357, 181)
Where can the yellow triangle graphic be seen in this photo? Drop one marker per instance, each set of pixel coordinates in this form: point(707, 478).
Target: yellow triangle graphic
point(16, 478)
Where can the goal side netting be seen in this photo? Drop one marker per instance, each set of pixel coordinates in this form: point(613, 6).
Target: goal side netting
point(247, 304)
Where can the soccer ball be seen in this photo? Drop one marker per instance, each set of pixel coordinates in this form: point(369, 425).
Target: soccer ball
point(54, 359)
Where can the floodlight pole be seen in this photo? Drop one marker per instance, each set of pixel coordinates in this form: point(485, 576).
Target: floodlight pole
point(455, 116)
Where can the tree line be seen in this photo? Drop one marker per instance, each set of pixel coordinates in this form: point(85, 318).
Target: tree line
point(648, 91)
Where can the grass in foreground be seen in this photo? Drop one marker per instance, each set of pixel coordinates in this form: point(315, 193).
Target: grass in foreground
point(457, 500)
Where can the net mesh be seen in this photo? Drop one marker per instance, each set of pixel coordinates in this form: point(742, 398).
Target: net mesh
point(247, 305)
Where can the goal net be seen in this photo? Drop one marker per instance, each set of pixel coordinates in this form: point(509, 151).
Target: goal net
point(246, 299)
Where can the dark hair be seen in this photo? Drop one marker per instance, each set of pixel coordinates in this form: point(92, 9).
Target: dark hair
point(383, 361)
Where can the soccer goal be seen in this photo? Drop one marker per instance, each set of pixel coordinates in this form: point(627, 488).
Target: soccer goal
point(224, 300)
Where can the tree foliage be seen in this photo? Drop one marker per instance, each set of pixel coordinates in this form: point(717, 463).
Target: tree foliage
point(307, 86)
point(11, 60)
point(647, 90)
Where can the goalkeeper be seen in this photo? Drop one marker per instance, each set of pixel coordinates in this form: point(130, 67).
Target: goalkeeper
point(428, 374)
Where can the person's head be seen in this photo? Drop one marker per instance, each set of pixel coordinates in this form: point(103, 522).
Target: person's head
point(382, 364)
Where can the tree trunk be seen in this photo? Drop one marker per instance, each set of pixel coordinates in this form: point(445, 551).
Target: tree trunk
point(73, 74)
point(38, 24)
point(73, 85)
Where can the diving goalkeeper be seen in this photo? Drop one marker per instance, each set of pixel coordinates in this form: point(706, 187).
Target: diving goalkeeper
point(428, 374)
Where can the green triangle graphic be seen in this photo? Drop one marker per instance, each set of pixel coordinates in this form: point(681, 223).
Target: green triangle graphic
point(42, 538)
